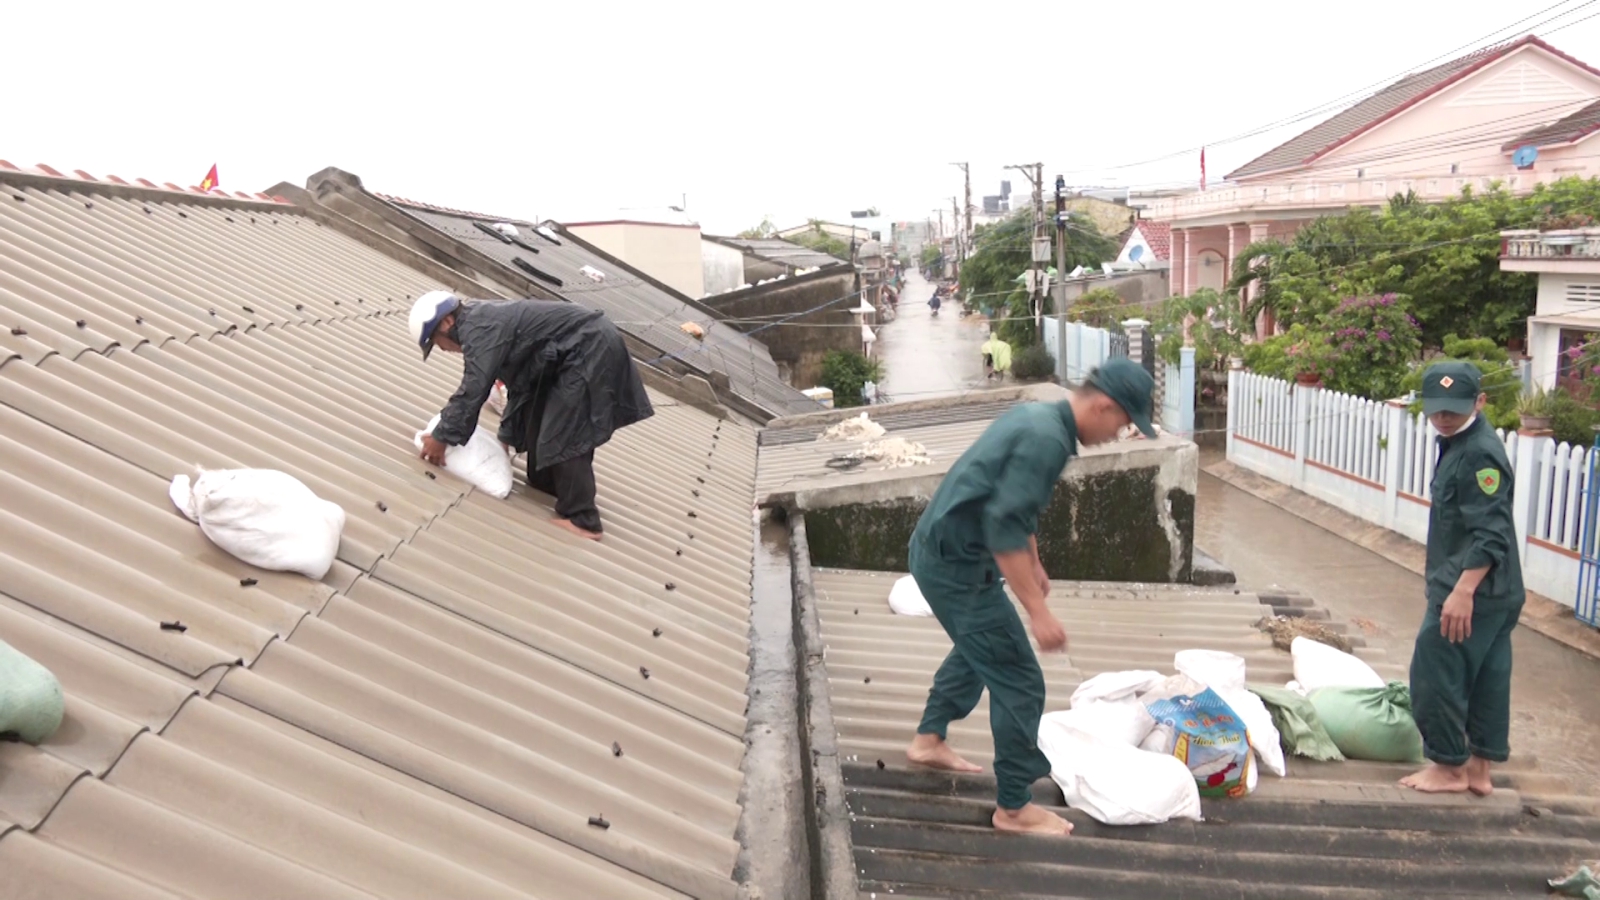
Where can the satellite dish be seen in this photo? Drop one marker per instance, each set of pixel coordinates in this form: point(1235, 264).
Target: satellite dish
point(1524, 157)
point(1136, 254)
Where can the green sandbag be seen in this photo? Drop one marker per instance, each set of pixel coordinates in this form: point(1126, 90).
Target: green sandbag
point(31, 705)
point(1300, 729)
point(1371, 723)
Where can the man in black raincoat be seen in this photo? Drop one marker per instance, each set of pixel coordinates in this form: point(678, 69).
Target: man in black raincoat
point(569, 384)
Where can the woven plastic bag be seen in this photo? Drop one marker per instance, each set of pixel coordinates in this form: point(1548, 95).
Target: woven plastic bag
point(480, 462)
point(1371, 723)
point(1209, 738)
point(31, 703)
point(267, 518)
point(1299, 727)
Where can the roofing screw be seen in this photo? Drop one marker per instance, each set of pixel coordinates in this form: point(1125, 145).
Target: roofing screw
point(700, 479)
point(174, 626)
point(693, 514)
point(228, 219)
point(213, 312)
point(855, 612)
point(182, 214)
point(599, 822)
point(89, 205)
point(691, 535)
point(431, 476)
point(383, 507)
point(867, 680)
point(148, 212)
point(694, 492)
point(678, 552)
point(655, 632)
point(19, 198)
point(248, 310)
point(645, 672)
point(252, 220)
point(19, 332)
point(881, 765)
point(335, 303)
point(82, 323)
point(299, 306)
point(248, 582)
point(616, 749)
point(671, 586)
point(138, 320)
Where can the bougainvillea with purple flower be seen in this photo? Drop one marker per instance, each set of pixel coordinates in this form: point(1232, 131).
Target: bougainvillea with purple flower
point(1373, 342)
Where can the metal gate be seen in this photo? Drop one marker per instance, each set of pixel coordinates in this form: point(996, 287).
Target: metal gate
point(1147, 351)
point(1119, 346)
point(1587, 604)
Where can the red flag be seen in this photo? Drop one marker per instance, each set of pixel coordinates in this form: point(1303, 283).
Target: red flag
point(1202, 169)
point(210, 181)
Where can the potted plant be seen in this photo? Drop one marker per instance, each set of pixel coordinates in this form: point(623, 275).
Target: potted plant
point(1535, 409)
point(1309, 357)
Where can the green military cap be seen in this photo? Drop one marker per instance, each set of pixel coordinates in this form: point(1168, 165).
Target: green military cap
point(1451, 386)
point(1126, 382)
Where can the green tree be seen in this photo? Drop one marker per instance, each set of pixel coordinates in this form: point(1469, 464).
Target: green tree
point(1500, 381)
point(845, 372)
point(822, 242)
point(931, 254)
point(765, 230)
point(1003, 251)
point(1099, 308)
point(1443, 257)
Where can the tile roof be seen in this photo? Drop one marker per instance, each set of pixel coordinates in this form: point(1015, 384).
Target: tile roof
point(1329, 831)
point(781, 251)
point(1567, 130)
point(636, 303)
point(443, 714)
point(1364, 115)
point(1159, 236)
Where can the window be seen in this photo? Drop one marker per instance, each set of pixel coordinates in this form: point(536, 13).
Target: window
point(1378, 188)
point(1583, 293)
point(1336, 191)
point(1433, 186)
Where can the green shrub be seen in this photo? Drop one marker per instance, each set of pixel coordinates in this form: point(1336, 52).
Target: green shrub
point(845, 372)
point(1499, 381)
point(1099, 308)
point(1033, 364)
point(1572, 421)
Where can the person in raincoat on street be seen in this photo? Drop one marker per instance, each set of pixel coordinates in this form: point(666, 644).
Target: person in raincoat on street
point(569, 384)
point(996, 357)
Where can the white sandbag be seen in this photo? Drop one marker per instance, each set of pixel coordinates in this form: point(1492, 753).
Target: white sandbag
point(1213, 668)
point(1124, 721)
point(480, 462)
point(1113, 783)
point(265, 517)
point(1317, 666)
point(1224, 673)
point(906, 598)
point(1116, 686)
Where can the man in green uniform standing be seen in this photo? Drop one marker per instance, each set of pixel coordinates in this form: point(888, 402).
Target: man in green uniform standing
point(980, 527)
point(1461, 667)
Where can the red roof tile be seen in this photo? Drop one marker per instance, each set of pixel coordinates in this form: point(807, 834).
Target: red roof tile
point(1385, 104)
point(1159, 236)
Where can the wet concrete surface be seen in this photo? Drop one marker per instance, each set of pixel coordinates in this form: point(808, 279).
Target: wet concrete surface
point(928, 356)
point(1555, 692)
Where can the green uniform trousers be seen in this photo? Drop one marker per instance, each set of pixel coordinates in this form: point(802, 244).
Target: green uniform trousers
point(1461, 693)
point(991, 651)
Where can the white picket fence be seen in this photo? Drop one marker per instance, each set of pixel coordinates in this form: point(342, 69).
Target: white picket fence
point(1375, 460)
point(1078, 349)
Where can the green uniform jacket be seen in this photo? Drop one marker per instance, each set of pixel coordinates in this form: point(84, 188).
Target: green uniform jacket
point(1471, 524)
point(990, 500)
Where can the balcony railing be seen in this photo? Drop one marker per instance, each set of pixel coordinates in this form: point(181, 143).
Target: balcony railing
point(1565, 243)
point(1322, 192)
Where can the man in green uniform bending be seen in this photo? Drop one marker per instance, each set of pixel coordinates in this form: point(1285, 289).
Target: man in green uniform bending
point(980, 527)
point(1461, 667)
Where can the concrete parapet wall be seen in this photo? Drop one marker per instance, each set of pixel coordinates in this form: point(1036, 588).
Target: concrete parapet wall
point(1119, 513)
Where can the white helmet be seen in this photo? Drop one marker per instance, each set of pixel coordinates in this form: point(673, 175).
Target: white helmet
point(425, 316)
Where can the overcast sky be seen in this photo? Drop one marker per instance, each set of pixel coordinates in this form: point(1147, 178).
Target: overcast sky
point(575, 110)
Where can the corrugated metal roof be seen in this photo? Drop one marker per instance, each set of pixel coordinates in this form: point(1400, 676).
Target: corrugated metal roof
point(781, 251)
point(648, 311)
point(438, 716)
point(1329, 831)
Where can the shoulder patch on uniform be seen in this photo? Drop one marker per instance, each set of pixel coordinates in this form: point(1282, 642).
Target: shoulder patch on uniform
point(1489, 481)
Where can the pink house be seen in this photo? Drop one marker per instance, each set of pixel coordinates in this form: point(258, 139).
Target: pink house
point(1434, 132)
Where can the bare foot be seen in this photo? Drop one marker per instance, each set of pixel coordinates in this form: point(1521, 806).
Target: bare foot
point(566, 525)
point(930, 750)
point(1478, 780)
point(1031, 819)
point(1437, 779)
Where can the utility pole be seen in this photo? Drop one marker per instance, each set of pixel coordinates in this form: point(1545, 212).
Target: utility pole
point(961, 239)
point(1061, 246)
point(966, 172)
point(1041, 241)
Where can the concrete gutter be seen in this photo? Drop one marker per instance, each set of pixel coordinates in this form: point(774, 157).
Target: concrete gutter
point(833, 868)
point(1548, 617)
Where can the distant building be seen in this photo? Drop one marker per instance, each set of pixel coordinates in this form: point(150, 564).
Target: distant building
point(664, 245)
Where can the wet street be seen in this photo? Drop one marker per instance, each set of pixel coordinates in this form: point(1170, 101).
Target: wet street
point(1555, 704)
point(926, 356)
